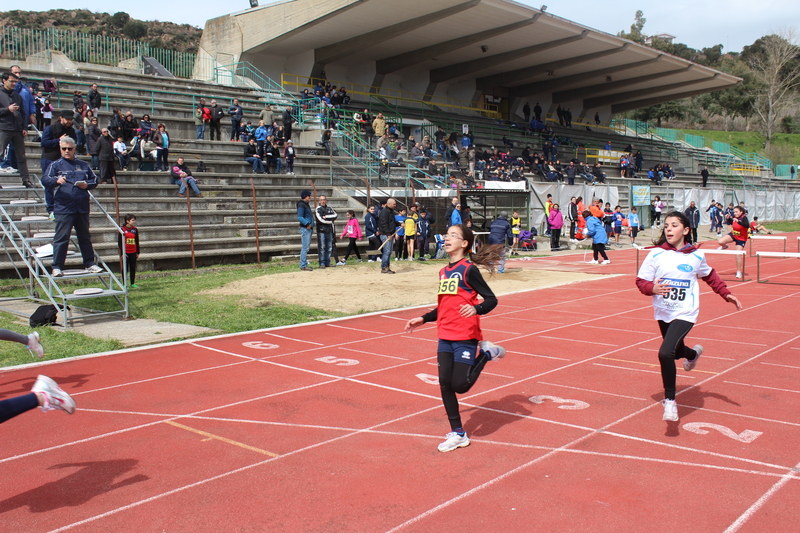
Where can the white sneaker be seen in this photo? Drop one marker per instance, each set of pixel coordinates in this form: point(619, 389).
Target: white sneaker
point(492, 350)
point(94, 269)
point(452, 441)
point(606, 262)
point(341, 263)
point(593, 262)
point(57, 273)
point(689, 365)
point(54, 397)
point(34, 345)
point(670, 411)
point(738, 275)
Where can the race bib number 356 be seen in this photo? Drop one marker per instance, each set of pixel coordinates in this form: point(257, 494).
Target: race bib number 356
point(448, 286)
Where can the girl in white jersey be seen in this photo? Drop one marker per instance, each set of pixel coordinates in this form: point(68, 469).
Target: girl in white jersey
point(669, 274)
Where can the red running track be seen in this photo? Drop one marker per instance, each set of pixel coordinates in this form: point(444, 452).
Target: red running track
point(333, 426)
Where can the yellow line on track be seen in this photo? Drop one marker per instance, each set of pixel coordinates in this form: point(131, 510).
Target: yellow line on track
point(651, 364)
point(223, 439)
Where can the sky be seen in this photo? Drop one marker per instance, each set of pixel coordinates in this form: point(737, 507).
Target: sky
point(698, 24)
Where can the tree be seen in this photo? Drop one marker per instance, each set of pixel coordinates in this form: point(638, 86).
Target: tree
point(636, 29)
point(675, 109)
point(734, 101)
point(135, 29)
point(119, 19)
point(775, 63)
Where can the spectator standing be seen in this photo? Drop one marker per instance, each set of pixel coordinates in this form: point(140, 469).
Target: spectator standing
point(537, 111)
point(95, 100)
point(271, 153)
point(14, 124)
point(130, 236)
point(105, 156)
point(792, 172)
point(288, 121)
point(325, 216)
point(596, 232)
point(267, 116)
point(200, 121)
point(181, 174)
point(305, 217)
point(693, 214)
point(215, 122)
point(289, 154)
point(704, 175)
point(572, 215)
point(237, 114)
point(423, 234)
point(93, 134)
point(634, 225)
point(352, 231)
point(28, 100)
point(500, 232)
point(371, 231)
point(161, 140)
point(260, 135)
point(516, 227)
point(47, 114)
point(379, 125)
point(387, 226)
point(73, 179)
point(597, 119)
point(526, 112)
point(556, 222)
point(548, 205)
point(51, 151)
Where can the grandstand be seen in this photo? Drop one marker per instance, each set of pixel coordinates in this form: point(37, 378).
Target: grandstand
point(223, 223)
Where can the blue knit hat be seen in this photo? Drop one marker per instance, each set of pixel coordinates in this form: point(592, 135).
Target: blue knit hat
point(304, 194)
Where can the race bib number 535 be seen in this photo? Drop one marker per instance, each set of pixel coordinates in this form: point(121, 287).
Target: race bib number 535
point(678, 293)
point(448, 286)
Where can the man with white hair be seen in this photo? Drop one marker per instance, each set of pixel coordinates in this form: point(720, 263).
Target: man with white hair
point(71, 179)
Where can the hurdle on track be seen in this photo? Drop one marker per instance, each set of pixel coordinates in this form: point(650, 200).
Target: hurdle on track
point(781, 255)
point(770, 238)
point(707, 252)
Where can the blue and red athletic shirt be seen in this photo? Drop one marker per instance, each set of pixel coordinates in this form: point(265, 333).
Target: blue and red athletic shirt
point(460, 283)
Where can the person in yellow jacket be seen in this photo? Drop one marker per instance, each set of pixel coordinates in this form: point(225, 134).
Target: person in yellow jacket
point(516, 226)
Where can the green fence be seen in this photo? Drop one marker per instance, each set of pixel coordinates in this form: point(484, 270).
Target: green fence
point(19, 43)
point(785, 171)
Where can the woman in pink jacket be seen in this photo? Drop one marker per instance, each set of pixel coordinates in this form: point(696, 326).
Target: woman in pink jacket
point(556, 221)
point(352, 230)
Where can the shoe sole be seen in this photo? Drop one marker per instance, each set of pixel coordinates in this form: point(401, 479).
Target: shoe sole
point(462, 445)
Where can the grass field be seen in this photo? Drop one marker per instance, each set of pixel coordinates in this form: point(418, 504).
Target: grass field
point(170, 297)
point(788, 144)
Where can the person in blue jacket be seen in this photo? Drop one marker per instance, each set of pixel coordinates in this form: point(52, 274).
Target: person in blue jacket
point(71, 180)
point(371, 232)
point(305, 217)
point(597, 232)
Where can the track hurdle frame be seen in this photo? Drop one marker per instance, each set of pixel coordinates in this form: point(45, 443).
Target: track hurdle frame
point(741, 252)
point(771, 238)
point(781, 255)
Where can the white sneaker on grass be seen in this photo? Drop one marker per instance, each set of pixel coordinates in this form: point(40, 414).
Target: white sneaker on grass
point(494, 351)
point(54, 397)
point(670, 411)
point(94, 269)
point(452, 441)
point(34, 345)
point(689, 365)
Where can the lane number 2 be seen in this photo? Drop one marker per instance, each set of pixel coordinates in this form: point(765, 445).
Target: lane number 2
point(701, 428)
point(572, 405)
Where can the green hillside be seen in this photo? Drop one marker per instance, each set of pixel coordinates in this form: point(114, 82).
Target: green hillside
point(785, 147)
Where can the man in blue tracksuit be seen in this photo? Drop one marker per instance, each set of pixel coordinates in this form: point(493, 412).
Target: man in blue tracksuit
point(597, 232)
point(71, 179)
point(371, 231)
point(499, 233)
point(305, 216)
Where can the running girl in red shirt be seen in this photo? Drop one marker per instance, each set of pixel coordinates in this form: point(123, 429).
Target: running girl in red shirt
point(738, 236)
point(130, 247)
point(669, 274)
point(462, 352)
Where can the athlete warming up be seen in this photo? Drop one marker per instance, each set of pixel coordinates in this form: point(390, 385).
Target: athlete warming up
point(462, 352)
point(669, 274)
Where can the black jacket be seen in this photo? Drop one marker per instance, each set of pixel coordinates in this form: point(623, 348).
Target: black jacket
point(386, 221)
point(250, 150)
point(50, 140)
point(94, 99)
point(11, 121)
point(105, 148)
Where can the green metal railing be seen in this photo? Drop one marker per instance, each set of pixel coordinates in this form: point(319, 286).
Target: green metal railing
point(19, 43)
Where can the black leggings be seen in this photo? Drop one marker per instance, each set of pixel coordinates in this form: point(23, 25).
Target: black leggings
point(352, 248)
point(599, 248)
point(672, 348)
point(16, 406)
point(130, 261)
point(457, 378)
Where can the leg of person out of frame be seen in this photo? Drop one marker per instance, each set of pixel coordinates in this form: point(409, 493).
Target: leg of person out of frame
point(672, 348)
point(31, 341)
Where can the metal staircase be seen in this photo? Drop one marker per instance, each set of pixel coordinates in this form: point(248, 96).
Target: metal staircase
point(26, 232)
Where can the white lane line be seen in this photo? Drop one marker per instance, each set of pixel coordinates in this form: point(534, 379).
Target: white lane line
point(758, 504)
point(761, 387)
point(356, 329)
point(595, 391)
point(291, 339)
point(639, 370)
point(372, 353)
point(735, 341)
point(760, 330)
point(539, 355)
point(577, 340)
point(776, 364)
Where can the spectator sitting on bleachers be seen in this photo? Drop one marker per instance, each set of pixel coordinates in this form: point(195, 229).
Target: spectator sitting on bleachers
point(122, 153)
point(599, 175)
point(508, 142)
point(146, 127)
point(181, 174)
point(129, 127)
point(142, 149)
point(418, 155)
point(252, 157)
point(246, 131)
point(585, 172)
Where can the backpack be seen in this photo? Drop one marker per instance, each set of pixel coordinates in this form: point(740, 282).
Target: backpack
point(44, 315)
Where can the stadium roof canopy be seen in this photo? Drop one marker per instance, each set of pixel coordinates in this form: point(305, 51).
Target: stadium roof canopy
point(457, 49)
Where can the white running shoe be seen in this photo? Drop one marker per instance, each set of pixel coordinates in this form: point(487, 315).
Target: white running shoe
point(593, 262)
point(341, 263)
point(34, 345)
point(54, 397)
point(738, 275)
point(689, 365)
point(494, 351)
point(670, 411)
point(94, 269)
point(453, 440)
point(57, 273)
point(606, 262)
